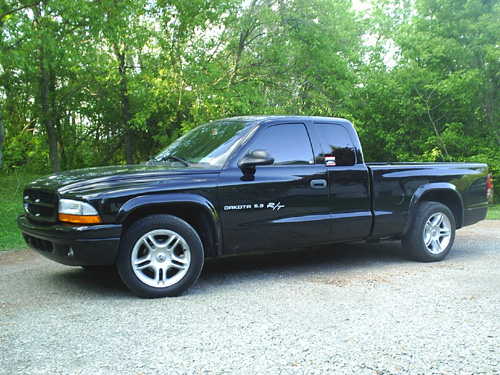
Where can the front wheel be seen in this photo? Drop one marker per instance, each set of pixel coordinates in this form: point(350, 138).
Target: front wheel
point(160, 256)
point(432, 233)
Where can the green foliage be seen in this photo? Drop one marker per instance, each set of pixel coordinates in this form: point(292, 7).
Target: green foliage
point(423, 87)
point(441, 99)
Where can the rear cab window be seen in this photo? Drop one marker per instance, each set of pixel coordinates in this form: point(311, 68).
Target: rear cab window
point(337, 145)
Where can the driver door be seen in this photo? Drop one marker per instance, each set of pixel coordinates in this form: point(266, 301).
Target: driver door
point(282, 205)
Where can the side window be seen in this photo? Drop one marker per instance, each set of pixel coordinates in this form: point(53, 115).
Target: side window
point(337, 145)
point(288, 143)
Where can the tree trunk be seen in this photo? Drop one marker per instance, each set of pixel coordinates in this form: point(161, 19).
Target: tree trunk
point(125, 104)
point(56, 119)
point(2, 137)
point(429, 109)
point(489, 103)
point(241, 46)
point(46, 117)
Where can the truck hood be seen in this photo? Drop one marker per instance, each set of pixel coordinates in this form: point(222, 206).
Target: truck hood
point(91, 181)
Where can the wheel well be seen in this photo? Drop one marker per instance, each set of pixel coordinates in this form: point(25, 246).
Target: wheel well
point(451, 200)
point(195, 216)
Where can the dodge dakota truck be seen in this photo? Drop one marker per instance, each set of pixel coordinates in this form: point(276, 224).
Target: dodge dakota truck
point(246, 184)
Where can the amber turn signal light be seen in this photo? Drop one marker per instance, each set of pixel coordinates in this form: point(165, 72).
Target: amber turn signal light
point(78, 219)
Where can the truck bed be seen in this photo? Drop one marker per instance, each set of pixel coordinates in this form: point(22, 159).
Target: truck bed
point(396, 188)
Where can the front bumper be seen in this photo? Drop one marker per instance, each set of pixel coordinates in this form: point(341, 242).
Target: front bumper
point(73, 245)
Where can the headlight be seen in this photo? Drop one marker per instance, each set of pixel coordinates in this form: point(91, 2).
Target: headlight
point(77, 212)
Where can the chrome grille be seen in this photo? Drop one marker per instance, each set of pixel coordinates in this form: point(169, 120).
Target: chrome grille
point(40, 205)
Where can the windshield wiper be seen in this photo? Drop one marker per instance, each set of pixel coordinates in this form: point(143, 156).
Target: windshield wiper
point(174, 158)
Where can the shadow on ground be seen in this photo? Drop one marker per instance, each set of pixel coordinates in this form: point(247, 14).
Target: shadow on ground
point(101, 281)
point(302, 262)
point(223, 271)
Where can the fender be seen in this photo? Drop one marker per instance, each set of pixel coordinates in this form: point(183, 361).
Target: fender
point(448, 189)
point(203, 203)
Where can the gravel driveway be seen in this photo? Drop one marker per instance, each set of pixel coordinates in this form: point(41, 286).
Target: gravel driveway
point(349, 309)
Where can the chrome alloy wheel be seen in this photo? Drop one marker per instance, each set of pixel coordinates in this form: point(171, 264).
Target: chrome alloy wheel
point(437, 233)
point(161, 258)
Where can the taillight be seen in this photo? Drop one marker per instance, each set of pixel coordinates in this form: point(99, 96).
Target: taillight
point(488, 187)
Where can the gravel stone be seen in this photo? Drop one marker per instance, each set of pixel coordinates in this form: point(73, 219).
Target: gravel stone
point(341, 309)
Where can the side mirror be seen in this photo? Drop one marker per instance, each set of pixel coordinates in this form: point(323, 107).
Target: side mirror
point(257, 157)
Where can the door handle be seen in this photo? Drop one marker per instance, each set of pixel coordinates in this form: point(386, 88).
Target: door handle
point(319, 184)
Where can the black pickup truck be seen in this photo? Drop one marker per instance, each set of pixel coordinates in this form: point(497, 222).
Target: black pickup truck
point(246, 184)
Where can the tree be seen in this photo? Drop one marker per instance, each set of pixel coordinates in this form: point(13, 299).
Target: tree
point(286, 57)
point(438, 93)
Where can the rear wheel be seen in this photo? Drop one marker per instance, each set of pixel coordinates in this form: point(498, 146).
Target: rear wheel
point(160, 256)
point(432, 233)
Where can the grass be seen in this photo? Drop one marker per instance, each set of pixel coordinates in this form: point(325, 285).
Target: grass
point(11, 205)
point(493, 212)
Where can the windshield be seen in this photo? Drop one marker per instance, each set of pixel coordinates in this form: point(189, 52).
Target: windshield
point(208, 144)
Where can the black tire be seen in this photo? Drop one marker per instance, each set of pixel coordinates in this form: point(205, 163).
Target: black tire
point(432, 233)
point(160, 256)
